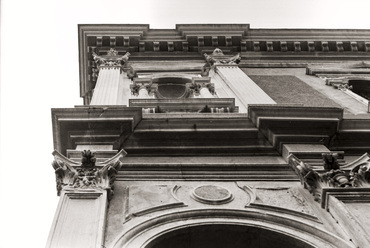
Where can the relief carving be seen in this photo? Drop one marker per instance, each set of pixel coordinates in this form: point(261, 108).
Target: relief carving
point(111, 59)
point(88, 174)
point(333, 177)
point(217, 57)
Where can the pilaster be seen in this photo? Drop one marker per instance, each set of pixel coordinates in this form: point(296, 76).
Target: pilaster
point(110, 82)
point(343, 190)
point(85, 189)
point(234, 82)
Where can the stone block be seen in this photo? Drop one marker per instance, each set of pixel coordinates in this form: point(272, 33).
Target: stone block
point(256, 46)
point(297, 46)
point(325, 46)
point(283, 46)
point(313, 149)
point(270, 47)
point(311, 46)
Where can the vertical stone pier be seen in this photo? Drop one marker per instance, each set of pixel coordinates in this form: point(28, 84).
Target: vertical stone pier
point(85, 190)
point(230, 81)
point(110, 86)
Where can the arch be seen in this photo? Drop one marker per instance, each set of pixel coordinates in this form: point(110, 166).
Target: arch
point(151, 231)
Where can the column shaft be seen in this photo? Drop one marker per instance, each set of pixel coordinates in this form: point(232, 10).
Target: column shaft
point(204, 93)
point(79, 220)
point(241, 87)
point(107, 87)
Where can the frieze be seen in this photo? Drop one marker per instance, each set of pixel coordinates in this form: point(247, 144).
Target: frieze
point(87, 174)
point(333, 176)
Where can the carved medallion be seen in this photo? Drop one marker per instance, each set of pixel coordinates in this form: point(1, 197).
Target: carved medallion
point(212, 194)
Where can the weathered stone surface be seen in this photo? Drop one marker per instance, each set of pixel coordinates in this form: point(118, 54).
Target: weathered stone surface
point(289, 198)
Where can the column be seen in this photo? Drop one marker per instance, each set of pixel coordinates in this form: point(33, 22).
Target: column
point(201, 87)
point(231, 82)
point(243, 88)
point(143, 88)
point(85, 189)
point(108, 89)
point(204, 93)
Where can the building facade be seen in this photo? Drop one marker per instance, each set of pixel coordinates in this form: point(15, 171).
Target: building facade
point(216, 135)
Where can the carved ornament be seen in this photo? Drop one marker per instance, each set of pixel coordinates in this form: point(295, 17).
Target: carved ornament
point(111, 59)
point(333, 177)
point(136, 86)
point(87, 174)
point(195, 87)
point(218, 58)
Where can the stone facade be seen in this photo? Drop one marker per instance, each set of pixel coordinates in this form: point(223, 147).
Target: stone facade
point(215, 136)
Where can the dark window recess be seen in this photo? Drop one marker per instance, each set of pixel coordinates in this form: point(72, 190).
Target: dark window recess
point(361, 88)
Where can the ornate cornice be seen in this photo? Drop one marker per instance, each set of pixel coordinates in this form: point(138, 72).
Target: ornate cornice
point(87, 174)
point(333, 176)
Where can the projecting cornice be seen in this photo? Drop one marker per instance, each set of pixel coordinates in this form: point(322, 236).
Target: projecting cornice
point(260, 47)
point(93, 125)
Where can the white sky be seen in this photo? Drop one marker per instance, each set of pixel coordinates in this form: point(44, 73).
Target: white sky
point(39, 71)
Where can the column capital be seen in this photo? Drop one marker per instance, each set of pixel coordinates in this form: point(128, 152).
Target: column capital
point(88, 174)
point(111, 59)
point(143, 83)
point(199, 83)
point(219, 58)
point(334, 175)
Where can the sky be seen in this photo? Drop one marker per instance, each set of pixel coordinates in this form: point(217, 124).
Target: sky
point(39, 71)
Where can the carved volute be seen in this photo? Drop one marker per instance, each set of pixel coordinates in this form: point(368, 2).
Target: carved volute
point(334, 176)
point(219, 58)
point(88, 174)
point(111, 59)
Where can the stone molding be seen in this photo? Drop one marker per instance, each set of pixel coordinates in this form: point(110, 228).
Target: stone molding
point(74, 176)
point(147, 229)
point(333, 176)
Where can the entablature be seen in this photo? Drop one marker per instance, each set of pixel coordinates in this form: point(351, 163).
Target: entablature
point(191, 41)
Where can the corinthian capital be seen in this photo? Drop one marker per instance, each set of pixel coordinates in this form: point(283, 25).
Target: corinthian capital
point(218, 58)
point(111, 59)
point(71, 175)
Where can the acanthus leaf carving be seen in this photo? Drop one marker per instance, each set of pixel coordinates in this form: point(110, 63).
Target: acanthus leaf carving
point(88, 174)
point(111, 59)
point(218, 58)
point(333, 177)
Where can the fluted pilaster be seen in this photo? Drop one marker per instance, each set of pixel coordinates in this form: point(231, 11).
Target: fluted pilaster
point(242, 87)
point(110, 85)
